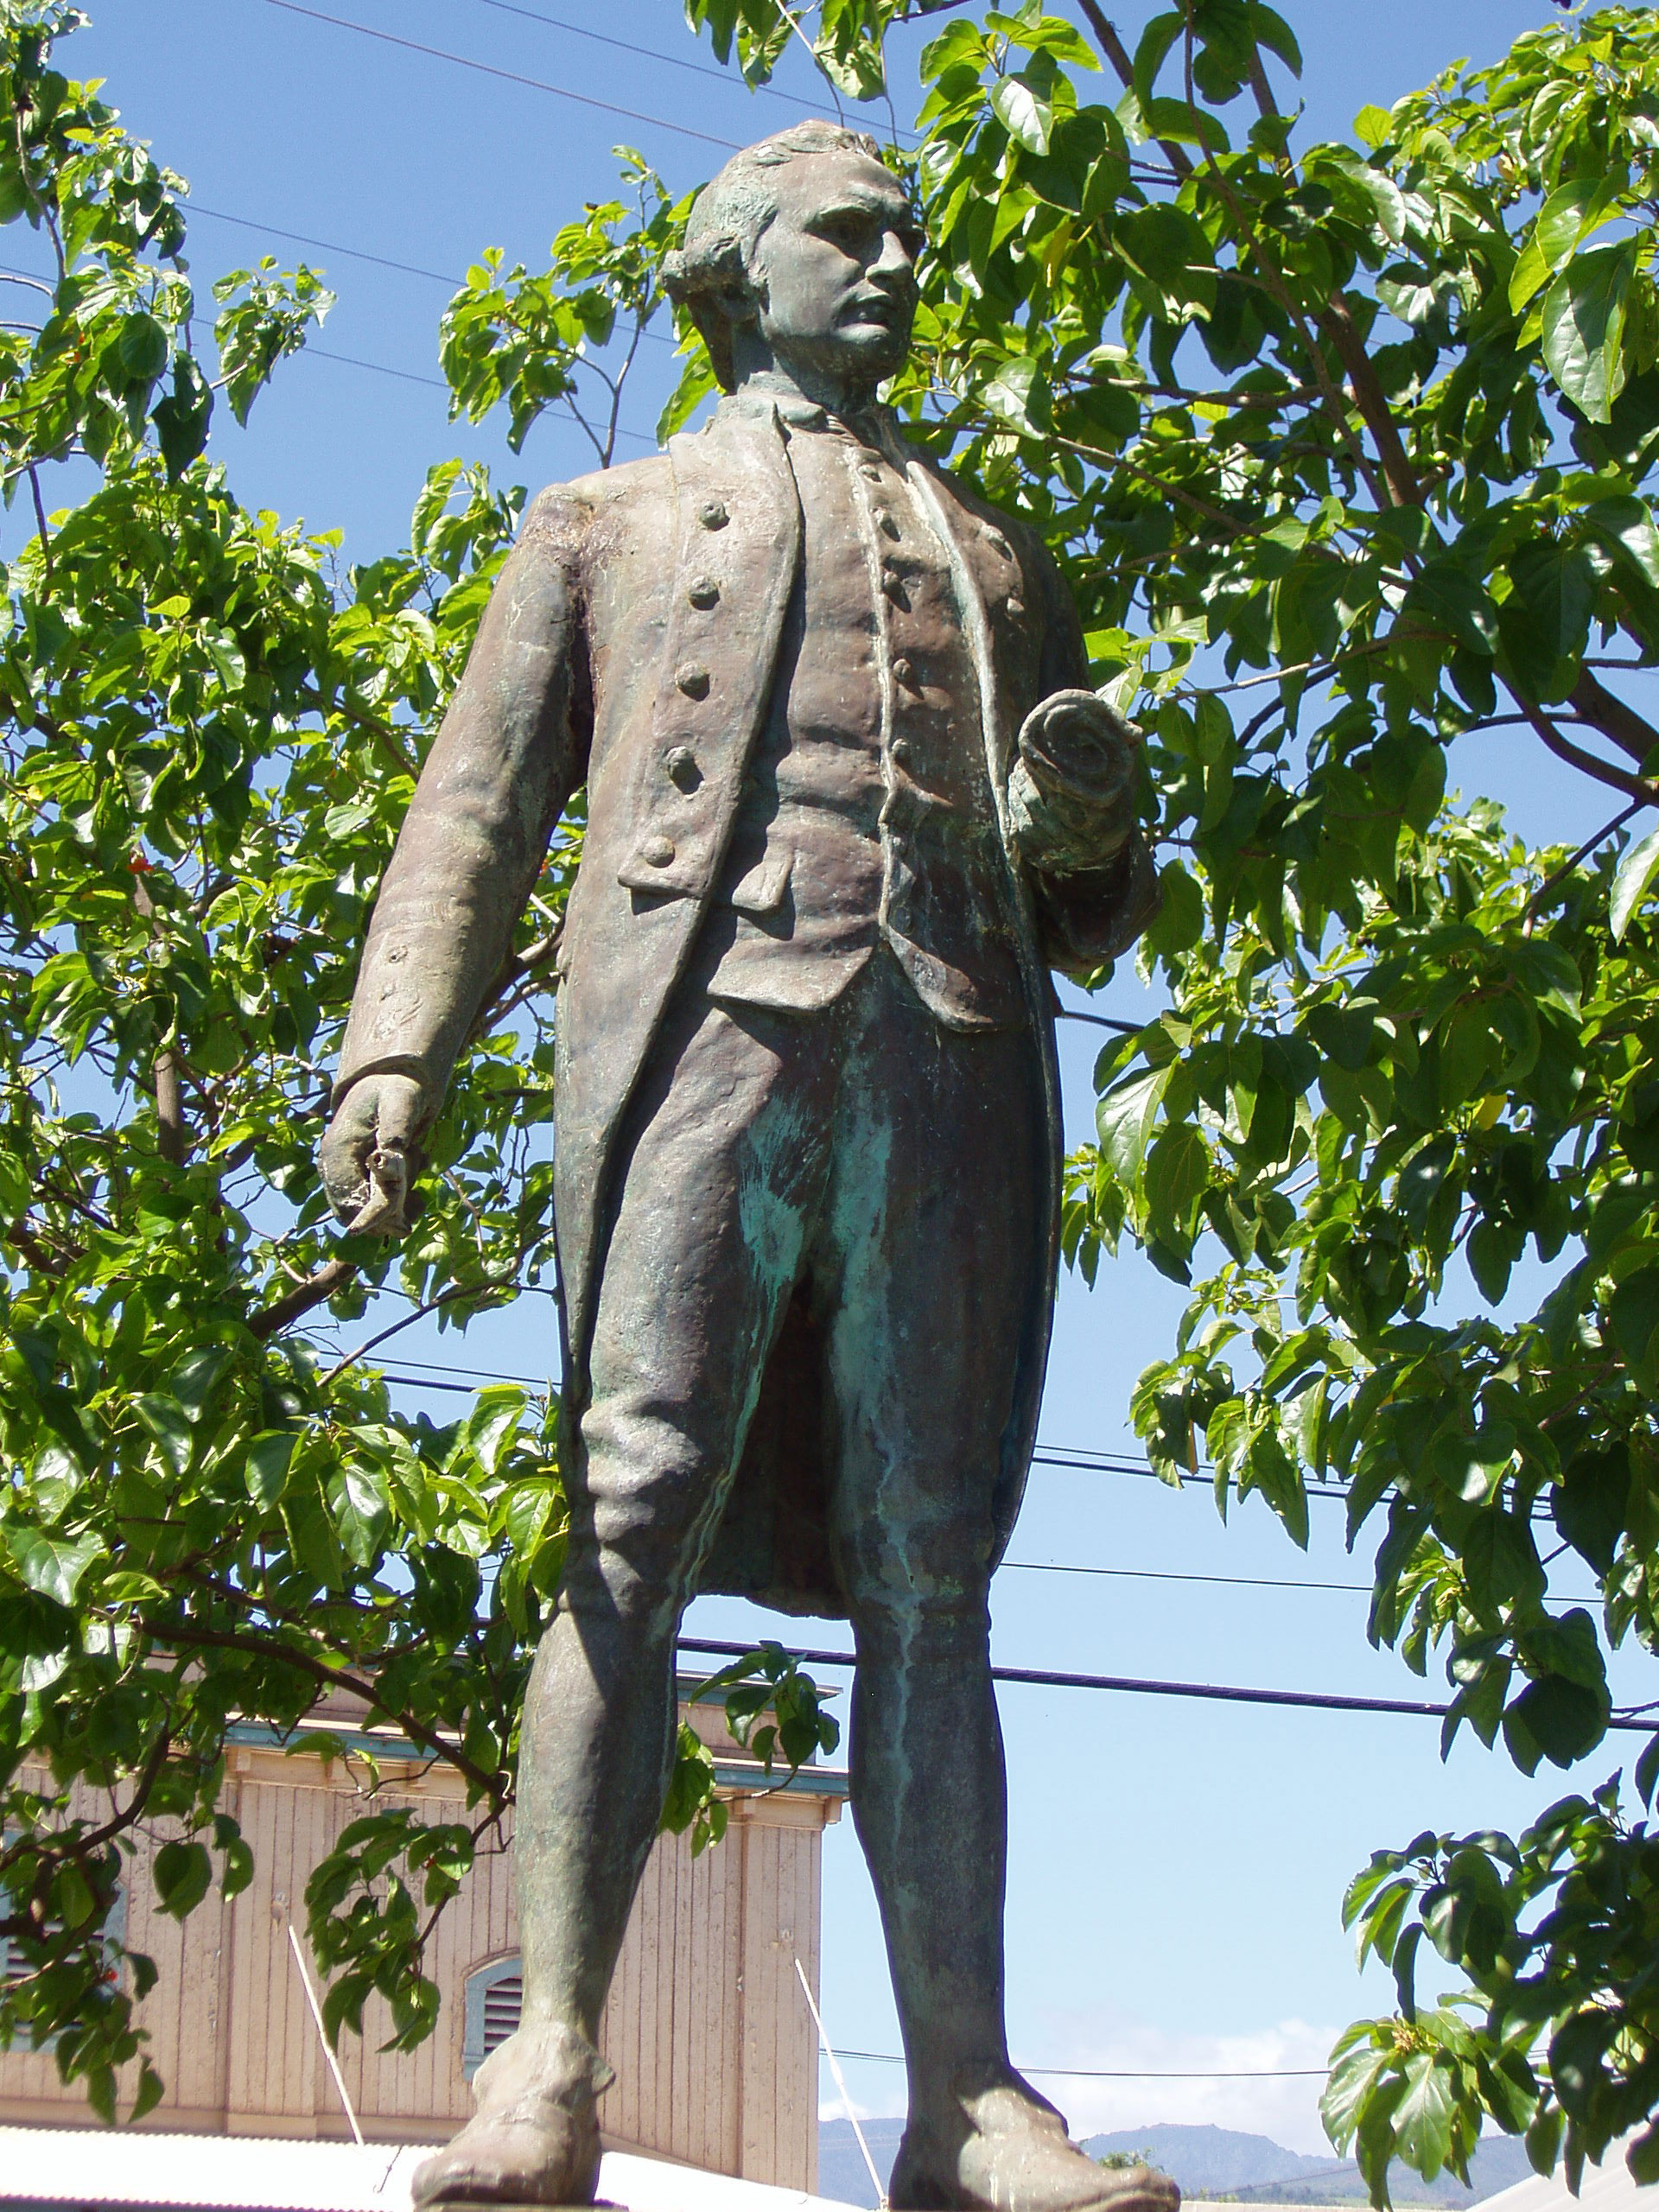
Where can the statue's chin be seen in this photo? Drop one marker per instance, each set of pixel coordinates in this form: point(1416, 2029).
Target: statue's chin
point(857, 361)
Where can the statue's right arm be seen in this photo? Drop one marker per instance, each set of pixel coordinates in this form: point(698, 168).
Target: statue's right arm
point(512, 749)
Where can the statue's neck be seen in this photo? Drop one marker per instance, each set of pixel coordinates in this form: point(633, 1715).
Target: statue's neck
point(759, 374)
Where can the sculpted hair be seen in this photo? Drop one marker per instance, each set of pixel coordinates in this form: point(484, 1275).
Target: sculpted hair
point(728, 219)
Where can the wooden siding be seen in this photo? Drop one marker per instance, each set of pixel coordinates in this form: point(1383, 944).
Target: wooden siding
point(715, 2052)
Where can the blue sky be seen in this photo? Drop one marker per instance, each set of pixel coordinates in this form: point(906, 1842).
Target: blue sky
point(1176, 1869)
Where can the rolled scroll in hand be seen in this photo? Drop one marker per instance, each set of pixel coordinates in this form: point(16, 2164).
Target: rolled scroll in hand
point(1071, 798)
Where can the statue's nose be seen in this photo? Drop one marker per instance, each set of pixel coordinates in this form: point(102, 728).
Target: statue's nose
point(894, 267)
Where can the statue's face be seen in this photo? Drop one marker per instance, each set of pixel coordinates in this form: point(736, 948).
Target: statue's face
point(834, 269)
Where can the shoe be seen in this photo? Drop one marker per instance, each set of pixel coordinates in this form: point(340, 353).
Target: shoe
point(1000, 2147)
point(534, 2139)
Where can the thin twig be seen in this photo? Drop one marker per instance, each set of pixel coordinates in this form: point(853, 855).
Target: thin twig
point(444, 1297)
point(1535, 905)
point(40, 517)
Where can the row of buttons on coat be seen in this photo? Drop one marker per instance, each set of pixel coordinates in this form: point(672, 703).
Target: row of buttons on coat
point(680, 762)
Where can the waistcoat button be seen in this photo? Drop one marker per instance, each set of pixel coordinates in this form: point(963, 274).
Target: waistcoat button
point(692, 680)
point(702, 591)
point(998, 544)
point(1016, 608)
point(886, 520)
point(656, 851)
point(903, 672)
point(712, 515)
point(681, 763)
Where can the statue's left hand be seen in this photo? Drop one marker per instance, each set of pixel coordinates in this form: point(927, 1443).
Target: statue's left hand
point(1071, 791)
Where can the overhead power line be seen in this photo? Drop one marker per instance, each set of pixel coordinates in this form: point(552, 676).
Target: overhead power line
point(324, 246)
point(506, 76)
point(432, 383)
point(1136, 2073)
point(359, 253)
point(1138, 1686)
point(652, 53)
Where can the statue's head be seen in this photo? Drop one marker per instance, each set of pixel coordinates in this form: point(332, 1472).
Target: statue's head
point(807, 243)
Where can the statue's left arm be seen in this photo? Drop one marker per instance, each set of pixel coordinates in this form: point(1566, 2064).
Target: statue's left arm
point(1072, 798)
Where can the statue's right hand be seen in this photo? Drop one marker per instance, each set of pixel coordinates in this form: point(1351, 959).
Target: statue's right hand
point(369, 1152)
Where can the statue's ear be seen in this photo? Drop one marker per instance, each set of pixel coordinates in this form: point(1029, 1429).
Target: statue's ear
point(742, 296)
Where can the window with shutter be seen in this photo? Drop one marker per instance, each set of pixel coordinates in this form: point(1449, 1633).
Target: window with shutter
point(14, 1968)
point(494, 2001)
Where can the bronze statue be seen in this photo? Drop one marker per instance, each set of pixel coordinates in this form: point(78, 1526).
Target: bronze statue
point(847, 802)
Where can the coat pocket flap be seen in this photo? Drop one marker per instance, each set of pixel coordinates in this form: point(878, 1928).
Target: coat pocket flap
point(670, 875)
point(761, 891)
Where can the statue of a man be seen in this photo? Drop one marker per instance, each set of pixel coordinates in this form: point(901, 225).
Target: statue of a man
point(847, 802)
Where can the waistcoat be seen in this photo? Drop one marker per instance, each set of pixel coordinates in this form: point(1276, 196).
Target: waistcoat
point(867, 812)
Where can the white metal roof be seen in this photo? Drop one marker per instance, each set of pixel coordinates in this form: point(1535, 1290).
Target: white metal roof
point(94, 2166)
point(1610, 2187)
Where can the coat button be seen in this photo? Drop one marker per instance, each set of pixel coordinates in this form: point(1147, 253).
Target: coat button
point(712, 515)
point(903, 672)
point(1016, 608)
point(656, 851)
point(702, 591)
point(870, 472)
point(681, 762)
point(692, 680)
point(998, 544)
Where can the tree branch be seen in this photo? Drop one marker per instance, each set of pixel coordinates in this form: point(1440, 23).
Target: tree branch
point(1369, 397)
point(328, 1677)
point(172, 1140)
point(1632, 733)
point(1123, 68)
point(322, 1283)
point(1604, 771)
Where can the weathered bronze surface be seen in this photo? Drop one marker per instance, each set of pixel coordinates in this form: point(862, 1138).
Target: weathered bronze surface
point(848, 800)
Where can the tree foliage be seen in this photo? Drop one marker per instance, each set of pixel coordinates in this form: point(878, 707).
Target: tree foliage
point(208, 735)
point(1347, 449)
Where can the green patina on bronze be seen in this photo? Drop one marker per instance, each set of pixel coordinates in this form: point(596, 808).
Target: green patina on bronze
point(848, 799)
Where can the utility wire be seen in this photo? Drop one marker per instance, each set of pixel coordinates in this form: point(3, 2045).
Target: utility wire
point(652, 53)
point(673, 60)
point(358, 254)
point(323, 245)
point(1138, 1686)
point(432, 383)
point(506, 76)
point(1138, 2073)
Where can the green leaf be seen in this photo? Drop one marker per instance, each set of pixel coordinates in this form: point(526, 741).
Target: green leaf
point(1423, 2118)
point(1022, 113)
point(1124, 1119)
point(168, 1423)
point(1584, 319)
point(1177, 1173)
point(265, 1467)
point(52, 1564)
point(1373, 125)
point(1636, 874)
point(182, 1872)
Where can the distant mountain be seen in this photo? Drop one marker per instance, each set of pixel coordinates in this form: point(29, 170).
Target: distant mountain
point(1221, 2162)
point(1207, 2162)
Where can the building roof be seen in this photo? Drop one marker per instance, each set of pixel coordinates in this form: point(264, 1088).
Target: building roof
point(52, 2167)
point(1610, 2187)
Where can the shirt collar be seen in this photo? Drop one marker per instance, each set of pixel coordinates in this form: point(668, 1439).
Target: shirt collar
point(873, 427)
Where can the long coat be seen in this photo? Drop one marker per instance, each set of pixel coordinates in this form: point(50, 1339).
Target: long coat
point(596, 661)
